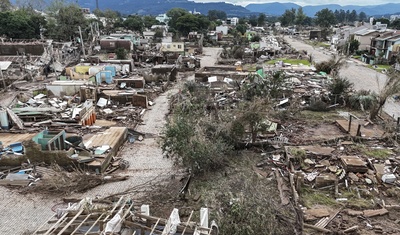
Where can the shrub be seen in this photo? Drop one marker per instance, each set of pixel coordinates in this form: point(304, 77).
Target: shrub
point(121, 53)
point(340, 86)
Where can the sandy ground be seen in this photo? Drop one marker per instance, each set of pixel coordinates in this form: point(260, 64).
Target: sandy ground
point(20, 213)
point(363, 77)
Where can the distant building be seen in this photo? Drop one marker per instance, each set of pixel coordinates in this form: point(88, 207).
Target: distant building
point(194, 36)
point(394, 17)
point(163, 18)
point(164, 28)
point(149, 35)
point(85, 10)
point(173, 47)
point(379, 26)
point(385, 45)
point(232, 21)
point(364, 37)
point(194, 12)
point(111, 44)
point(223, 29)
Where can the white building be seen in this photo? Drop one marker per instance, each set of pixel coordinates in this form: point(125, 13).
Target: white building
point(394, 17)
point(223, 29)
point(232, 21)
point(149, 35)
point(162, 18)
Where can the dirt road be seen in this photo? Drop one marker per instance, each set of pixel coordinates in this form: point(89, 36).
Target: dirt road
point(363, 77)
point(20, 213)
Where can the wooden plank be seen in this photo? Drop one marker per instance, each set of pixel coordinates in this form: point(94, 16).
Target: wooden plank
point(15, 119)
point(154, 227)
point(70, 222)
point(95, 222)
point(77, 228)
point(317, 228)
point(281, 185)
point(122, 218)
point(187, 223)
point(137, 225)
point(60, 221)
point(41, 226)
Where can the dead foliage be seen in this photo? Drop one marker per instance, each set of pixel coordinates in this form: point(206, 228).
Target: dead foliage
point(331, 66)
point(61, 182)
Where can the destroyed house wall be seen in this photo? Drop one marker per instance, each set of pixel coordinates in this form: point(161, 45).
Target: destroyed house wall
point(51, 140)
point(110, 45)
point(19, 49)
point(34, 153)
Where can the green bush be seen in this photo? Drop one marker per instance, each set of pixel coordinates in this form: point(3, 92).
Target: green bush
point(340, 86)
point(121, 53)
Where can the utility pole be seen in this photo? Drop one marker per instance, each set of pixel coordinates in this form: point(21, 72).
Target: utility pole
point(83, 46)
point(97, 4)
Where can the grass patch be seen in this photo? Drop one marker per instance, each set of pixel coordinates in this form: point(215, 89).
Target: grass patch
point(318, 44)
point(317, 117)
point(357, 203)
point(379, 67)
point(378, 153)
point(250, 68)
point(310, 198)
point(290, 61)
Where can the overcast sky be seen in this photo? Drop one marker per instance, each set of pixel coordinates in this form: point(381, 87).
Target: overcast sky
point(307, 2)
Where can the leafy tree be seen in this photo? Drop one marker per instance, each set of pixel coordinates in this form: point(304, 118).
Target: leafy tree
point(395, 24)
point(325, 18)
point(242, 21)
point(216, 15)
point(340, 16)
point(352, 16)
point(382, 20)
point(241, 28)
point(347, 16)
point(134, 23)
point(174, 14)
point(308, 21)
point(189, 22)
point(149, 21)
point(113, 20)
point(21, 24)
point(5, 5)
point(66, 22)
point(191, 138)
point(362, 16)
point(262, 18)
point(288, 17)
point(253, 20)
point(300, 17)
point(353, 47)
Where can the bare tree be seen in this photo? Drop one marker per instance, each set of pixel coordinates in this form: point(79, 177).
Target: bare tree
point(392, 87)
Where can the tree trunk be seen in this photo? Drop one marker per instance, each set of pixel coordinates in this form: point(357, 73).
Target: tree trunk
point(374, 112)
